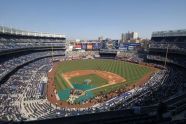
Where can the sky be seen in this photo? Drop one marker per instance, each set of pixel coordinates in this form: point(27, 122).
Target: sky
point(89, 19)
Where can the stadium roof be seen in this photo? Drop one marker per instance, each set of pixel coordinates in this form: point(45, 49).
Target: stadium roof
point(169, 33)
point(13, 31)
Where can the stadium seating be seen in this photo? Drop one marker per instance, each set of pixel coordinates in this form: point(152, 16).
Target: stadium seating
point(22, 75)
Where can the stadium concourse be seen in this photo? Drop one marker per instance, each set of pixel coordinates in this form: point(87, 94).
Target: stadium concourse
point(26, 60)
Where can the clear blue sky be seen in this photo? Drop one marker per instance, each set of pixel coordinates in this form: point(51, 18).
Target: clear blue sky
point(88, 19)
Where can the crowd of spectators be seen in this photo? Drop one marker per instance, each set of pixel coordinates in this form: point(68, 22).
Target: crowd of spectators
point(129, 56)
point(9, 44)
point(11, 64)
point(22, 87)
point(170, 46)
point(80, 54)
point(170, 59)
point(174, 84)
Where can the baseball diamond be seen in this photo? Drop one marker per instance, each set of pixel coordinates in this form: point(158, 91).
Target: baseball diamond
point(68, 80)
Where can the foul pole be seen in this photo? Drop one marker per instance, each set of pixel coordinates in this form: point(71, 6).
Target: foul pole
point(52, 54)
point(166, 55)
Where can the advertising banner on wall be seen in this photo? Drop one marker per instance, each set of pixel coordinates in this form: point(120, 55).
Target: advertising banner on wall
point(89, 46)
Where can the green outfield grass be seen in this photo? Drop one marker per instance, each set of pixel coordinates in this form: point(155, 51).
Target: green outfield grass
point(129, 71)
point(96, 80)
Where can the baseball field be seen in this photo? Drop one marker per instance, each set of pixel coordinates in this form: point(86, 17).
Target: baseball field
point(80, 80)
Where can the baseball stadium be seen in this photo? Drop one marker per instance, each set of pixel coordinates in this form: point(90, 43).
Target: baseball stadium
point(92, 62)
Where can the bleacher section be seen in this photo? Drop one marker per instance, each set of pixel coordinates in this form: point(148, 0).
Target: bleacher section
point(108, 54)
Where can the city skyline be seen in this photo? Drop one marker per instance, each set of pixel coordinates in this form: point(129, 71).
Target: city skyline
point(91, 19)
